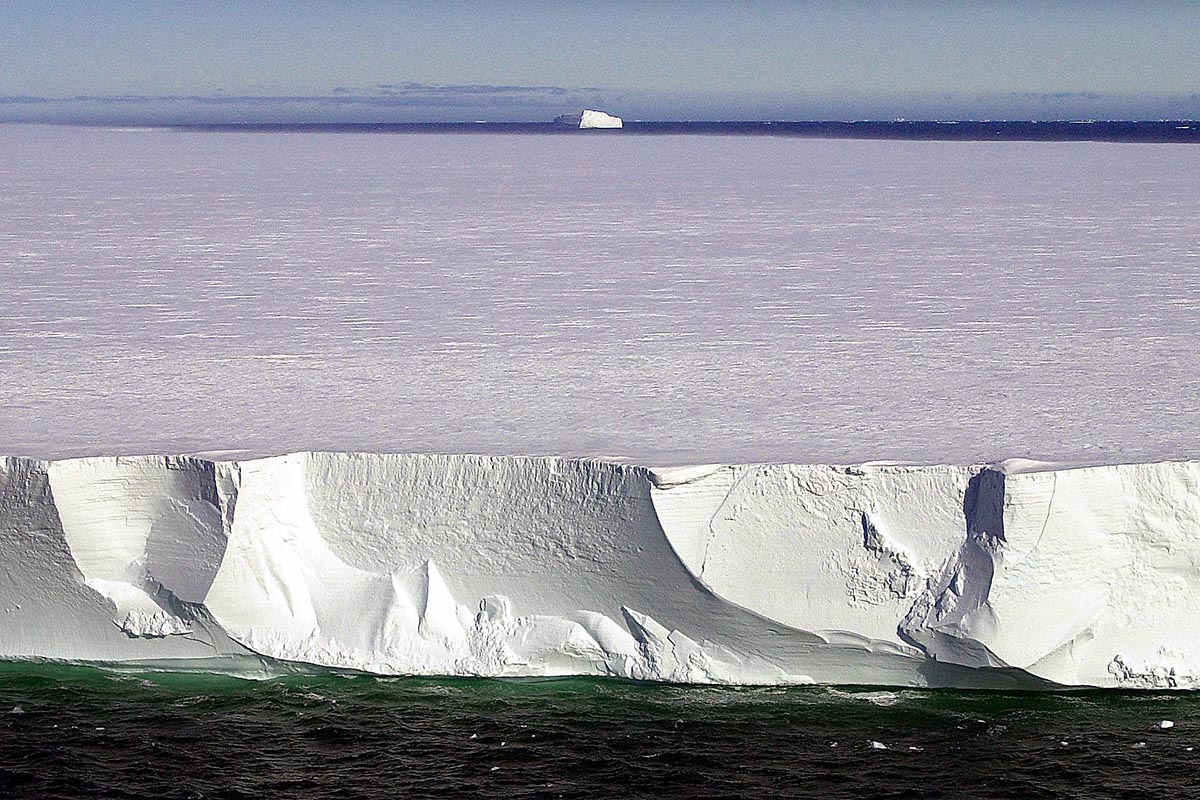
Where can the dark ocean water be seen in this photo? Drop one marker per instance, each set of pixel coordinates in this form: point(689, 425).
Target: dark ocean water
point(1160, 131)
point(76, 732)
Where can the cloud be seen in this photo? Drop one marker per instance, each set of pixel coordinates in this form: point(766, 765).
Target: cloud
point(441, 90)
point(385, 95)
point(389, 102)
point(422, 102)
point(1056, 97)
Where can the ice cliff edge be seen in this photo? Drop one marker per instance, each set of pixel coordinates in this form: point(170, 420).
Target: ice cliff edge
point(1013, 574)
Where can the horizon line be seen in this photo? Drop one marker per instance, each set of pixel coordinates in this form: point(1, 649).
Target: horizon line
point(131, 123)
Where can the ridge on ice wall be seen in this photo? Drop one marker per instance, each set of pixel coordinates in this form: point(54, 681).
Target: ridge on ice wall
point(1017, 574)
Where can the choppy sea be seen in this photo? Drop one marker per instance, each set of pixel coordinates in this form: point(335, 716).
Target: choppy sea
point(84, 732)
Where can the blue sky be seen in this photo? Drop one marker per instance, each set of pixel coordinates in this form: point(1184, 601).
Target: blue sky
point(508, 60)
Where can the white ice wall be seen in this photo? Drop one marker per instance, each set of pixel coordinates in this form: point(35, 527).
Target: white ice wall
point(102, 560)
point(821, 548)
point(889, 574)
point(1088, 576)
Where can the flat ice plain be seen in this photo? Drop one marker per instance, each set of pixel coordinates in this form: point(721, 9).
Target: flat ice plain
point(663, 299)
point(652, 302)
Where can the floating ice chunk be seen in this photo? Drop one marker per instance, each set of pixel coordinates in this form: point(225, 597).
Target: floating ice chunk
point(880, 698)
point(878, 745)
point(1166, 725)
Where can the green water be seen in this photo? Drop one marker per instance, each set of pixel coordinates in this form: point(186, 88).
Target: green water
point(80, 732)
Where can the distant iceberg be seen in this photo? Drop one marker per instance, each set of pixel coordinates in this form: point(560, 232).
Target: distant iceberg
point(588, 119)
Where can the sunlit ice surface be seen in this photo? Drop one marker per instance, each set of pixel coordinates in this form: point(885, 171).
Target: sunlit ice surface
point(661, 299)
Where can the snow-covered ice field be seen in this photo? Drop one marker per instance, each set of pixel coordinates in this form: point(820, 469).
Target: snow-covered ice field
point(661, 299)
point(657, 301)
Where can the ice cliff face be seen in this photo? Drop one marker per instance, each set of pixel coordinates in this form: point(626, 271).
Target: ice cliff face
point(1018, 574)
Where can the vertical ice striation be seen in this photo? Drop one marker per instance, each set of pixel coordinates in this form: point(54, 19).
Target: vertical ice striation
point(1079, 576)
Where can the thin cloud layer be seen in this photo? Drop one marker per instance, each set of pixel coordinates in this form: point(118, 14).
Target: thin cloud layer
point(384, 101)
point(422, 102)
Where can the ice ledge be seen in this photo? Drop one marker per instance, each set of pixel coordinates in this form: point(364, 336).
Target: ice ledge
point(1023, 572)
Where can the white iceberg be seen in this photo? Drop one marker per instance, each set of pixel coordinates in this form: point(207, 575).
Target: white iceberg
point(588, 119)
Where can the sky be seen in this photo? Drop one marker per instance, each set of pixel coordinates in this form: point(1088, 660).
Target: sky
point(509, 60)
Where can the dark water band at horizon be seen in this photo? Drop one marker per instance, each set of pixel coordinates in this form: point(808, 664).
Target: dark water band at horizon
point(83, 732)
point(1147, 132)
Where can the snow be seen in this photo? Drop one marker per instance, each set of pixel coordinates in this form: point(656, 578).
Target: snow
point(891, 413)
point(587, 119)
point(598, 119)
point(508, 566)
point(668, 300)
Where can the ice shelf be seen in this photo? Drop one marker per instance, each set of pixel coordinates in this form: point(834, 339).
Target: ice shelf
point(663, 299)
point(1011, 574)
